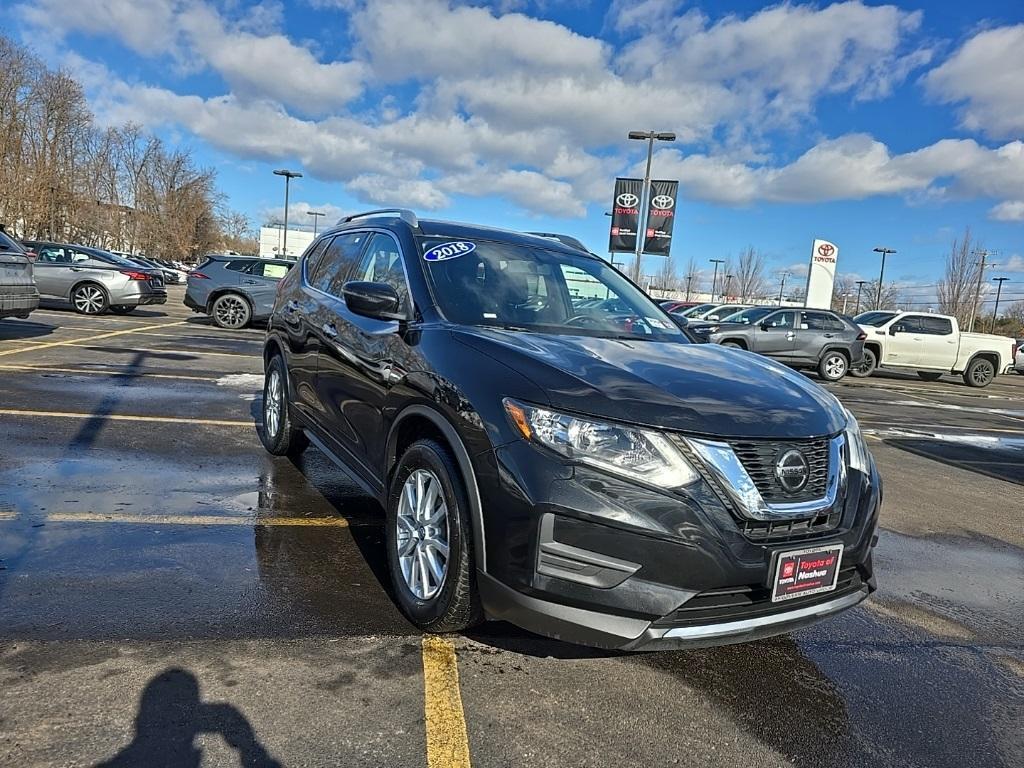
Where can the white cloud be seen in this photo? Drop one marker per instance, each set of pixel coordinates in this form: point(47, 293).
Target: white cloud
point(1009, 210)
point(391, 190)
point(986, 75)
point(1013, 264)
point(298, 211)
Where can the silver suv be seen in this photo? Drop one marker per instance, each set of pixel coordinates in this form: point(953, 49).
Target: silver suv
point(18, 294)
point(93, 280)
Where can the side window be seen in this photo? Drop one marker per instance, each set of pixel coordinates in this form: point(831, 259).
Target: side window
point(338, 262)
point(272, 270)
point(780, 320)
point(816, 321)
point(938, 326)
point(239, 265)
point(911, 324)
point(313, 253)
point(382, 263)
point(53, 255)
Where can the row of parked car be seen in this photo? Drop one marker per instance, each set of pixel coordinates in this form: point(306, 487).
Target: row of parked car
point(930, 345)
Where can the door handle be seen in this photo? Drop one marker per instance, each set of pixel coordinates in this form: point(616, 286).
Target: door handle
point(829, 335)
point(75, 269)
point(250, 282)
point(790, 335)
point(329, 330)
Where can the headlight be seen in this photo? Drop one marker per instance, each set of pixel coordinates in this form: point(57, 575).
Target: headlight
point(638, 454)
point(860, 459)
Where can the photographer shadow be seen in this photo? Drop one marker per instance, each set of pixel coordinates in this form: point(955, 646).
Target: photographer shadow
point(171, 716)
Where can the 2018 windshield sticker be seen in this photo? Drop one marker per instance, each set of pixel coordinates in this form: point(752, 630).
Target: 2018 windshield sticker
point(451, 250)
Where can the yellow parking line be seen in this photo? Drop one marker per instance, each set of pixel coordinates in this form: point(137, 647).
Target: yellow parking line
point(73, 342)
point(6, 514)
point(447, 738)
point(122, 417)
point(119, 518)
point(102, 372)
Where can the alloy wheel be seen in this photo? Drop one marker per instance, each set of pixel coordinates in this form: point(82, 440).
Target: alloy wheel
point(89, 300)
point(231, 311)
point(982, 373)
point(422, 523)
point(835, 366)
point(272, 404)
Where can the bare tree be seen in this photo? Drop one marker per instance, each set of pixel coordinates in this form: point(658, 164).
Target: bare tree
point(957, 288)
point(748, 274)
point(844, 292)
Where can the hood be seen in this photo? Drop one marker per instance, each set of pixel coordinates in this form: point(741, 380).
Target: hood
point(697, 388)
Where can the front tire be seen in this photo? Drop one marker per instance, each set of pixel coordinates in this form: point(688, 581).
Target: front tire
point(89, 299)
point(979, 373)
point(833, 366)
point(867, 365)
point(231, 311)
point(429, 541)
point(278, 435)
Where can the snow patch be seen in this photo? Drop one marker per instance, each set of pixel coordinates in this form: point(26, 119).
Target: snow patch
point(247, 380)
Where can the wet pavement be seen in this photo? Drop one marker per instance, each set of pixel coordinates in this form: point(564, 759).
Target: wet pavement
point(172, 595)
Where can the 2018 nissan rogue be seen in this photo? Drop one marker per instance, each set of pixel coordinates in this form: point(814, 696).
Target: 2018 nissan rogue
point(587, 475)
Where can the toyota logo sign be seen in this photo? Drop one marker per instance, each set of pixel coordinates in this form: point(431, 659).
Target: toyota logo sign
point(662, 202)
point(628, 200)
point(826, 249)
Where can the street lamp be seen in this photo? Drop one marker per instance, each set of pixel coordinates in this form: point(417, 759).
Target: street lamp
point(782, 286)
point(714, 280)
point(999, 291)
point(316, 217)
point(288, 176)
point(860, 286)
point(881, 275)
point(725, 288)
point(650, 137)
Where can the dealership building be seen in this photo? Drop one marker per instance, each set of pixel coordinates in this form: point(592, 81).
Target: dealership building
point(272, 242)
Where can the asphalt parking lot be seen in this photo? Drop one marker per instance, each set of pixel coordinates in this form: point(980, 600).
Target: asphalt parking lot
point(167, 588)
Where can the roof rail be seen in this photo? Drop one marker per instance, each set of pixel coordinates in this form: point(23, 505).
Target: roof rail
point(568, 240)
point(403, 213)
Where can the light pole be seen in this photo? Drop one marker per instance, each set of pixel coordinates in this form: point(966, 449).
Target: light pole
point(714, 280)
point(689, 279)
point(782, 287)
point(288, 176)
point(650, 137)
point(999, 291)
point(725, 287)
point(316, 217)
point(881, 275)
point(860, 286)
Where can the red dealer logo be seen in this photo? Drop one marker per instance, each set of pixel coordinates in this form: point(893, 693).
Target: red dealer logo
point(787, 569)
point(826, 250)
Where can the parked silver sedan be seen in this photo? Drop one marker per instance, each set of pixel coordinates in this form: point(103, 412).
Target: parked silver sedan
point(18, 294)
point(93, 280)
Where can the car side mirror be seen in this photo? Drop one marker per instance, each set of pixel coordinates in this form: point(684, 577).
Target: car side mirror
point(765, 325)
point(894, 330)
point(377, 300)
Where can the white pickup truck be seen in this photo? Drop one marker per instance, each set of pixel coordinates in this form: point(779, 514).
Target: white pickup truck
point(931, 345)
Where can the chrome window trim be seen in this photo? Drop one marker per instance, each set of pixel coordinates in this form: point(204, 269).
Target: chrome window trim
point(732, 478)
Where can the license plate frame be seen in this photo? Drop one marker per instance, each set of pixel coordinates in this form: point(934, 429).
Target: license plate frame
point(785, 588)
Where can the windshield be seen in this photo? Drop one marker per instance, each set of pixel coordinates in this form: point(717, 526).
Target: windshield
point(698, 310)
point(748, 316)
point(525, 287)
point(874, 319)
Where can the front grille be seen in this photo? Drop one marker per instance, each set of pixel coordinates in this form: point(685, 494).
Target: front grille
point(792, 530)
point(759, 457)
point(748, 602)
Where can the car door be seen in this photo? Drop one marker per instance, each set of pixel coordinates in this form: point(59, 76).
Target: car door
point(354, 370)
point(53, 273)
point(905, 342)
point(813, 332)
point(775, 335)
point(940, 346)
point(260, 280)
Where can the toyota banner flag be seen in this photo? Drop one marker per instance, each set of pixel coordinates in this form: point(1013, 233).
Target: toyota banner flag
point(661, 213)
point(625, 215)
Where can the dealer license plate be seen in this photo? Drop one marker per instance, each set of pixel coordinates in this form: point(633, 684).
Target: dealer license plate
point(805, 572)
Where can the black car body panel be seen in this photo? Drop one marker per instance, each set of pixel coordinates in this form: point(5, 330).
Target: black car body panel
point(562, 547)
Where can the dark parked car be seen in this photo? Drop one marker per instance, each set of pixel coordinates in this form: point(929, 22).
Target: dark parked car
point(235, 290)
point(18, 293)
point(94, 280)
point(801, 338)
point(701, 329)
point(605, 485)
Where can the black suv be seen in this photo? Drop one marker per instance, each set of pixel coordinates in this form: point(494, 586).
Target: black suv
point(586, 474)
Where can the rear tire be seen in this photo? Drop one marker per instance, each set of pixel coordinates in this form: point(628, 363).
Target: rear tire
point(421, 525)
point(732, 344)
point(867, 366)
point(833, 365)
point(231, 311)
point(279, 435)
point(122, 309)
point(89, 299)
point(929, 375)
point(979, 373)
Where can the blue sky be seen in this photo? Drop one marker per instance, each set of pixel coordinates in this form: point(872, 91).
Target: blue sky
point(866, 124)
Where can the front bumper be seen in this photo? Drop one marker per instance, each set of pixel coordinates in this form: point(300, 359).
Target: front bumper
point(587, 558)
